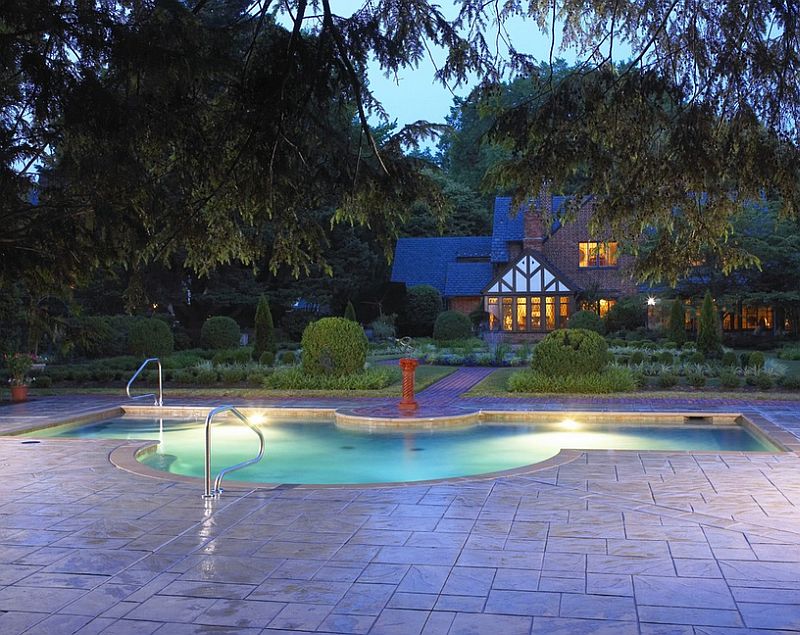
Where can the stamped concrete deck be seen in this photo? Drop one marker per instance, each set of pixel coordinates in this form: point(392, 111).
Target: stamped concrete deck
point(612, 542)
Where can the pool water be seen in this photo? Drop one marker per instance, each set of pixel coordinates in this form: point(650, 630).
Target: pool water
point(320, 452)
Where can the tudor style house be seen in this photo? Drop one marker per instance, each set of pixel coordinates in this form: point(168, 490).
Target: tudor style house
point(529, 278)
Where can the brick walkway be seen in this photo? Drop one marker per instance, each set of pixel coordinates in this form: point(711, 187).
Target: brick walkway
point(455, 384)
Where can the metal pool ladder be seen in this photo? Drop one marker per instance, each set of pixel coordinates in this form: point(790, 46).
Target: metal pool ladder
point(158, 398)
point(212, 493)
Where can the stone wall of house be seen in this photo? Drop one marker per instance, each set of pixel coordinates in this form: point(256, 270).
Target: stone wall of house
point(562, 250)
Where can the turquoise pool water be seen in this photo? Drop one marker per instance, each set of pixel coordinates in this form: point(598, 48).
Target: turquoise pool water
point(320, 452)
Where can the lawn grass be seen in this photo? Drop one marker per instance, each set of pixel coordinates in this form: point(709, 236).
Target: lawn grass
point(425, 376)
point(494, 385)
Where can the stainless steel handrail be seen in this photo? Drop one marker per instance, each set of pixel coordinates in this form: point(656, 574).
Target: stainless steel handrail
point(158, 398)
point(211, 493)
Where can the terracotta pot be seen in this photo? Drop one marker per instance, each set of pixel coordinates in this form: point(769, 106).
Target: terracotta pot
point(19, 393)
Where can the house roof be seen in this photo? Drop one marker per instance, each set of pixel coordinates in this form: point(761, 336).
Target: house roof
point(508, 226)
point(433, 261)
point(530, 273)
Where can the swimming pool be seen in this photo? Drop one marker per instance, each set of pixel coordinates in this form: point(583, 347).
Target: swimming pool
point(318, 451)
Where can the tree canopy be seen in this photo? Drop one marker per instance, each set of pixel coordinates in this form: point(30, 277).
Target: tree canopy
point(184, 129)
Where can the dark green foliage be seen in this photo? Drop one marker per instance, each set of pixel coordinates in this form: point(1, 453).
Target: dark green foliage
point(238, 355)
point(609, 381)
point(676, 327)
point(267, 358)
point(697, 358)
point(709, 339)
point(298, 379)
point(696, 380)
point(670, 345)
point(294, 323)
point(287, 358)
point(220, 332)
point(728, 358)
point(790, 353)
point(423, 305)
point(570, 352)
point(756, 360)
point(42, 381)
point(451, 325)
point(350, 312)
point(790, 382)
point(729, 379)
point(334, 346)
point(587, 320)
point(627, 314)
point(383, 328)
point(637, 357)
point(764, 381)
point(665, 357)
point(667, 380)
point(744, 360)
point(264, 329)
point(150, 338)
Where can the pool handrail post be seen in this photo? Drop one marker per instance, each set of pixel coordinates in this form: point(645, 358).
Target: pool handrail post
point(158, 399)
point(217, 489)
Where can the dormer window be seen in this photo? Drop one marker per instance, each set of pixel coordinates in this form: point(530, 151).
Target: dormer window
point(595, 254)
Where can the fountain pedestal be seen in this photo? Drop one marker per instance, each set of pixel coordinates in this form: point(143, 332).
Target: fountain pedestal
point(408, 365)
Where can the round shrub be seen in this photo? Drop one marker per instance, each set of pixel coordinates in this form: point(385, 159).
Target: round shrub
point(729, 379)
point(697, 358)
point(764, 381)
point(667, 380)
point(670, 345)
point(570, 352)
point(665, 357)
point(756, 360)
point(287, 357)
point(728, 358)
point(150, 338)
point(220, 332)
point(588, 320)
point(637, 357)
point(689, 346)
point(452, 325)
point(267, 358)
point(697, 380)
point(334, 346)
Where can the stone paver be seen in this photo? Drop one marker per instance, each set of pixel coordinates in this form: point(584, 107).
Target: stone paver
point(613, 542)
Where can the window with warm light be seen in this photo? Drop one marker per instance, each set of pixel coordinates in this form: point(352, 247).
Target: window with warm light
point(522, 314)
point(508, 314)
point(604, 306)
point(597, 254)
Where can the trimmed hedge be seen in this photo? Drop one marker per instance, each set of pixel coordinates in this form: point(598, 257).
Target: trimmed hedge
point(297, 379)
point(588, 320)
point(570, 352)
point(220, 332)
point(452, 325)
point(611, 380)
point(334, 346)
point(150, 338)
point(264, 329)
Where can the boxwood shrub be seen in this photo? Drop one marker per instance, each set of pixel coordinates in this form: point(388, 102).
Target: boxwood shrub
point(150, 338)
point(287, 357)
point(667, 380)
point(334, 346)
point(451, 325)
point(588, 320)
point(220, 332)
point(756, 360)
point(238, 355)
point(297, 379)
point(613, 379)
point(729, 358)
point(570, 352)
point(729, 379)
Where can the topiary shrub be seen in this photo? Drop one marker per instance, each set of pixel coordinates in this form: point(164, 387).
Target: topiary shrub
point(676, 327)
point(220, 332)
point(696, 380)
point(588, 320)
point(350, 312)
point(265, 329)
point(334, 346)
point(709, 338)
point(728, 358)
point(423, 304)
point(452, 325)
point(665, 357)
point(689, 346)
point(729, 379)
point(667, 380)
point(570, 352)
point(697, 358)
point(637, 357)
point(756, 360)
point(150, 338)
point(267, 358)
point(287, 357)
point(764, 381)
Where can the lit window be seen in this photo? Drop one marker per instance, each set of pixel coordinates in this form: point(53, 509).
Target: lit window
point(536, 314)
point(597, 254)
point(508, 314)
point(563, 311)
point(494, 313)
point(550, 312)
point(604, 305)
point(522, 314)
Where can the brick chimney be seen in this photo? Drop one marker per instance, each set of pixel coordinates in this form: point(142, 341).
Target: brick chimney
point(533, 225)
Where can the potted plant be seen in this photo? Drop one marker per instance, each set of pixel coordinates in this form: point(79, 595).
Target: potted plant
point(18, 366)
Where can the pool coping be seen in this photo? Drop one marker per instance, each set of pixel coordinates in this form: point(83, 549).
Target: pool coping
point(125, 456)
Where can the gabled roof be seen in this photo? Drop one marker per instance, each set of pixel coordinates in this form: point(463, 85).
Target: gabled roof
point(531, 273)
point(508, 225)
point(433, 261)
